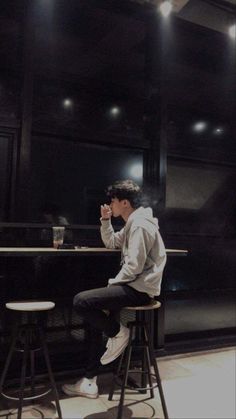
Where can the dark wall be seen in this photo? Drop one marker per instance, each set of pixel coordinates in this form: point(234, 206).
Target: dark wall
point(118, 81)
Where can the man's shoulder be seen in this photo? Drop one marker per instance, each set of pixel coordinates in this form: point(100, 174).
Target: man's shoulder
point(145, 226)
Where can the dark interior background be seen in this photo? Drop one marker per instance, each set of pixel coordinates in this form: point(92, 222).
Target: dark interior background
point(99, 90)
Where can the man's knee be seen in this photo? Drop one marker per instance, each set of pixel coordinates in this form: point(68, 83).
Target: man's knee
point(80, 301)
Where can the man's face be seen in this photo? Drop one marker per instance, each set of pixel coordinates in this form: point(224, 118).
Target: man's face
point(117, 207)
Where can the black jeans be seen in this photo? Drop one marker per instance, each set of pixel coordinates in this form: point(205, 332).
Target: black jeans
point(91, 305)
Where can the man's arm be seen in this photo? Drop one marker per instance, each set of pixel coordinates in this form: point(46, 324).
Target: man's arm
point(140, 243)
point(111, 239)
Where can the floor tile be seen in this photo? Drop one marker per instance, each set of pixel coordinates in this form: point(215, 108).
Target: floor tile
point(196, 386)
point(172, 369)
point(80, 407)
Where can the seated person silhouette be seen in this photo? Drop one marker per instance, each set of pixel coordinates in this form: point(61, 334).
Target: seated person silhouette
point(51, 214)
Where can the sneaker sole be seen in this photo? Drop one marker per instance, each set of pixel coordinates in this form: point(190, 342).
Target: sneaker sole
point(77, 393)
point(116, 355)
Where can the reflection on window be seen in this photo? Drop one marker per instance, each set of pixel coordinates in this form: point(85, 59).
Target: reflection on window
point(73, 178)
point(192, 187)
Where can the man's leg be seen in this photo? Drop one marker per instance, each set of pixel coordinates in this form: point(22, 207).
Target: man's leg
point(93, 305)
point(99, 308)
point(95, 349)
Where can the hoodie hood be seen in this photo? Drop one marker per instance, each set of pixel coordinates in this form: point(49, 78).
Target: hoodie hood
point(142, 217)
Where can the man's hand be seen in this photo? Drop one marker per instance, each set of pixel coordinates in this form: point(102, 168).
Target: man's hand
point(106, 212)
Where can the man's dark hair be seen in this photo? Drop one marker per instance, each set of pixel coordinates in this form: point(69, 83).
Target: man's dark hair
point(126, 189)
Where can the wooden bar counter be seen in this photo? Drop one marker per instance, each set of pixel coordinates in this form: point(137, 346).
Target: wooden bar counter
point(58, 274)
point(46, 251)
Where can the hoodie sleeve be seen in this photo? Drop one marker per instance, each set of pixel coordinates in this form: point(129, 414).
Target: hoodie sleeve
point(140, 243)
point(111, 239)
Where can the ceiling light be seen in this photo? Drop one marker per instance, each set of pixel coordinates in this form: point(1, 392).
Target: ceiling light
point(115, 111)
point(165, 8)
point(199, 126)
point(232, 31)
point(67, 103)
point(218, 131)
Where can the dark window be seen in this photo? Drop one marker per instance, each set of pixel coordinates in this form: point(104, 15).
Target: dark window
point(73, 177)
point(5, 160)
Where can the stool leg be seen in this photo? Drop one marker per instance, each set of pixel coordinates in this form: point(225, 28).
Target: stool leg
point(23, 374)
point(50, 373)
point(143, 366)
point(149, 371)
point(158, 378)
point(126, 372)
point(32, 372)
point(9, 357)
point(111, 392)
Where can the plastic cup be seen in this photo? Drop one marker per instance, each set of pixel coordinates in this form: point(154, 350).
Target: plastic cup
point(58, 236)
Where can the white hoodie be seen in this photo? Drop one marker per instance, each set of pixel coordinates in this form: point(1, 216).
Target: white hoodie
point(142, 249)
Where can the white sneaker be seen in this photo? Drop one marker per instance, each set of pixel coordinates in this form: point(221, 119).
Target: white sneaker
point(116, 345)
point(86, 387)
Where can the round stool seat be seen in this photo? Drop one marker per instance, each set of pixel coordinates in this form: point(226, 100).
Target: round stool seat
point(30, 305)
point(152, 306)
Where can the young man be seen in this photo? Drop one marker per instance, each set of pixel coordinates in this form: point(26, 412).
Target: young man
point(137, 282)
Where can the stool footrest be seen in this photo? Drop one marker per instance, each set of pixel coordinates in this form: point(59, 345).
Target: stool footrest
point(37, 396)
point(31, 350)
point(135, 386)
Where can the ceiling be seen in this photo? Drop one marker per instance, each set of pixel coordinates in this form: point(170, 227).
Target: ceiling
point(216, 15)
point(83, 50)
point(213, 14)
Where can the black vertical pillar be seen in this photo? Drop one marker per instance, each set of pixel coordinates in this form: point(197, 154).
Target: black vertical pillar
point(23, 166)
point(156, 110)
point(158, 43)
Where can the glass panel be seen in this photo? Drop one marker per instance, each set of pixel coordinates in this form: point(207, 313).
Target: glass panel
point(200, 198)
point(89, 71)
point(192, 186)
point(70, 179)
point(4, 176)
point(11, 60)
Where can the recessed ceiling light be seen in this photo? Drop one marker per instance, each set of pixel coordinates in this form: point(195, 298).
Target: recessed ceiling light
point(115, 111)
point(199, 126)
point(165, 8)
point(218, 130)
point(232, 31)
point(67, 103)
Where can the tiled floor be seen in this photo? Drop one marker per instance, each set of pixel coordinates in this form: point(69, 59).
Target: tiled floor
point(196, 386)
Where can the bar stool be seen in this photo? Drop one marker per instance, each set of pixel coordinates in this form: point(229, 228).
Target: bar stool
point(28, 337)
point(141, 328)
